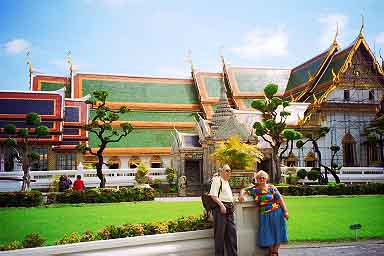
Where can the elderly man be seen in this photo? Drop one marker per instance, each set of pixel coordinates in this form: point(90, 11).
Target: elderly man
point(224, 226)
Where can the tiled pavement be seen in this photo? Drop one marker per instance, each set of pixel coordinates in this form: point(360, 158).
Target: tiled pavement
point(358, 248)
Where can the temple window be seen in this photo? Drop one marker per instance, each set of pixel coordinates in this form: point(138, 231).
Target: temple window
point(114, 163)
point(66, 161)
point(372, 153)
point(42, 163)
point(134, 162)
point(310, 160)
point(346, 95)
point(156, 162)
point(349, 150)
point(292, 160)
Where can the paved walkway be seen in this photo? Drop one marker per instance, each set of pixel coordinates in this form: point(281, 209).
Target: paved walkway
point(358, 248)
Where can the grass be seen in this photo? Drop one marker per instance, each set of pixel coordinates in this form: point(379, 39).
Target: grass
point(311, 218)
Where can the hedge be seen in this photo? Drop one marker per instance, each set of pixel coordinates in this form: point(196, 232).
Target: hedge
point(332, 189)
point(21, 199)
point(105, 195)
point(182, 224)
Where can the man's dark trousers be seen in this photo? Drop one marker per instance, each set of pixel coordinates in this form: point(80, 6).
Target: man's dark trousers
point(225, 233)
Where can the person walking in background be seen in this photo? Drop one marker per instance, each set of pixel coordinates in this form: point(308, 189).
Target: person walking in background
point(224, 226)
point(273, 213)
point(78, 184)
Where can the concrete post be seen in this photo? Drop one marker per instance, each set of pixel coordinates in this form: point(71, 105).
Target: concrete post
point(247, 225)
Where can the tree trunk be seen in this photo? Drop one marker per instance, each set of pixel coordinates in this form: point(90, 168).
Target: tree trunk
point(322, 179)
point(99, 171)
point(334, 174)
point(26, 179)
point(276, 169)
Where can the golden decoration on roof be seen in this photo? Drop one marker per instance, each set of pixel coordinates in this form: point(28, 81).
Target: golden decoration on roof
point(189, 60)
point(69, 61)
point(362, 26)
point(336, 34)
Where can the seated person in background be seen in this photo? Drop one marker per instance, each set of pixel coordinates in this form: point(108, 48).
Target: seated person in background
point(78, 184)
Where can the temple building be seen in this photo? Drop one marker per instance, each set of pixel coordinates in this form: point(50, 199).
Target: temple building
point(178, 122)
point(64, 118)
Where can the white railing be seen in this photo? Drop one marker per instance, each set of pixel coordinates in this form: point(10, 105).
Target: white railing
point(349, 174)
point(114, 177)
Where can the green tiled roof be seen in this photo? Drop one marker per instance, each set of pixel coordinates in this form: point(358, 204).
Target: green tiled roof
point(143, 92)
point(154, 116)
point(255, 80)
point(140, 138)
point(213, 85)
point(301, 75)
point(50, 86)
point(335, 64)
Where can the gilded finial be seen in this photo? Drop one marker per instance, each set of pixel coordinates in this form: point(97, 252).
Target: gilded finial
point(189, 60)
point(336, 33)
point(29, 61)
point(362, 26)
point(382, 60)
point(69, 60)
point(222, 55)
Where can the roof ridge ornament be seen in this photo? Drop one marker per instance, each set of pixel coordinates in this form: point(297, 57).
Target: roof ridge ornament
point(382, 60)
point(222, 55)
point(362, 27)
point(29, 63)
point(336, 34)
point(189, 61)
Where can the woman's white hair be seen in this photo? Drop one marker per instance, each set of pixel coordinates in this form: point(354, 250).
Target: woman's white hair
point(263, 174)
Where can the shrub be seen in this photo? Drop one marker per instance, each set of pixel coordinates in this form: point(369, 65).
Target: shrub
point(21, 199)
point(314, 174)
point(171, 175)
point(141, 174)
point(292, 180)
point(11, 246)
point(32, 240)
point(73, 238)
point(155, 228)
point(130, 230)
point(302, 173)
point(54, 186)
point(87, 236)
point(108, 232)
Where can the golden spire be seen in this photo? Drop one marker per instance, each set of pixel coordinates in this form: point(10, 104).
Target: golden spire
point(362, 26)
point(69, 61)
point(29, 63)
point(222, 55)
point(382, 60)
point(189, 60)
point(336, 34)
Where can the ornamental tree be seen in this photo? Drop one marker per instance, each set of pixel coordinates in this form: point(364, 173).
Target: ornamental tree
point(273, 128)
point(101, 126)
point(238, 155)
point(20, 144)
point(313, 137)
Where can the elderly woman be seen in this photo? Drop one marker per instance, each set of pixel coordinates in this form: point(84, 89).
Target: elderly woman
point(273, 213)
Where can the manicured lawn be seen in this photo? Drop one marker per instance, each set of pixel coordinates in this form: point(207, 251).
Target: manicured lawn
point(311, 218)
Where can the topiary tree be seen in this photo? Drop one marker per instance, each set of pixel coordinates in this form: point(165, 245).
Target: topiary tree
point(302, 173)
point(171, 175)
point(313, 137)
point(238, 155)
point(20, 144)
point(272, 128)
point(101, 125)
point(314, 174)
point(141, 176)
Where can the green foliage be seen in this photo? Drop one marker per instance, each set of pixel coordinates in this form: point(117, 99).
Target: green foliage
point(153, 228)
point(10, 129)
point(105, 195)
point(141, 174)
point(33, 240)
point(333, 189)
point(240, 181)
point(11, 246)
point(171, 175)
point(371, 138)
point(292, 180)
point(299, 144)
point(21, 199)
point(292, 134)
point(23, 132)
point(270, 90)
point(131, 230)
point(41, 130)
point(69, 239)
point(314, 174)
point(302, 173)
point(34, 156)
point(259, 105)
point(238, 155)
point(334, 148)
point(11, 143)
point(33, 118)
point(88, 235)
